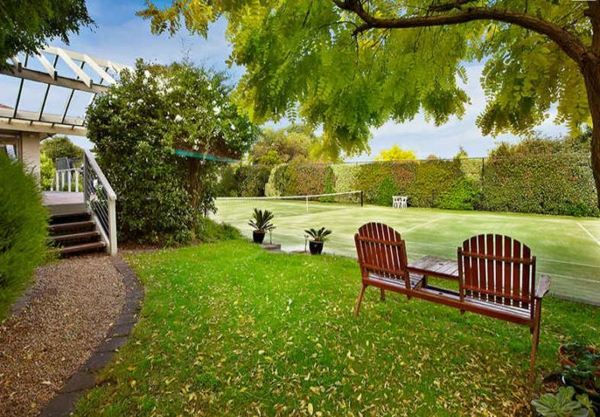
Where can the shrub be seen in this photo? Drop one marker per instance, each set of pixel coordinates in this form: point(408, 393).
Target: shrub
point(23, 222)
point(227, 183)
point(548, 184)
point(251, 180)
point(209, 231)
point(47, 172)
point(461, 196)
point(545, 184)
point(137, 125)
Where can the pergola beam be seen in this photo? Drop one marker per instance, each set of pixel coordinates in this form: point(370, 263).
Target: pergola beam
point(99, 70)
point(42, 77)
point(87, 80)
point(41, 127)
point(47, 66)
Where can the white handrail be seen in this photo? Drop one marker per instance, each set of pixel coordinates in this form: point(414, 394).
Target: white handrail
point(97, 192)
point(96, 168)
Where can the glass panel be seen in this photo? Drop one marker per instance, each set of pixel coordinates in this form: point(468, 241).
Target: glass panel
point(9, 147)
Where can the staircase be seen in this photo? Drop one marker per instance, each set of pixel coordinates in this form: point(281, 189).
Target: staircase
point(74, 234)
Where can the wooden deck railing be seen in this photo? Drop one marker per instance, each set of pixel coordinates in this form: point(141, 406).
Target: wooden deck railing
point(68, 180)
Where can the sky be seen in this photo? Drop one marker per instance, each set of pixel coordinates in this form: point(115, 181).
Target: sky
point(123, 37)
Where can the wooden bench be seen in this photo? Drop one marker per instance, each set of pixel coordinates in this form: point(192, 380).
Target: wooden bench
point(495, 274)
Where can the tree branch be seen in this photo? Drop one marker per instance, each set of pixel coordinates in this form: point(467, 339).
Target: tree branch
point(456, 4)
point(569, 43)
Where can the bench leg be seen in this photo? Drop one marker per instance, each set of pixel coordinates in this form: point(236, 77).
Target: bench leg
point(535, 340)
point(382, 294)
point(360, 297)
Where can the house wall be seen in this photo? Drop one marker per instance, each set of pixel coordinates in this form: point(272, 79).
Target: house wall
point(30, 151)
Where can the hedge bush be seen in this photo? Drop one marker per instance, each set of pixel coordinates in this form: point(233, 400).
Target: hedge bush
point(549, 184)
point(545, 184)
point(23, 222)
point(243, 181)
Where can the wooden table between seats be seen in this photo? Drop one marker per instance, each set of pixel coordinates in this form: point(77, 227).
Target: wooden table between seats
point(431, 266)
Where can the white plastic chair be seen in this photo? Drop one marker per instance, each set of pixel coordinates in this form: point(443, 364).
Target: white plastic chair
point(400, 201)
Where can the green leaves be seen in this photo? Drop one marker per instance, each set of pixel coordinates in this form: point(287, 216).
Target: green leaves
point(562, 404)
point(137, 124)
point(23, 222)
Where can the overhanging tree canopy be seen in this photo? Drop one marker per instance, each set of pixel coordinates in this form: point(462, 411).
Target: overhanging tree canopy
point(353, 64)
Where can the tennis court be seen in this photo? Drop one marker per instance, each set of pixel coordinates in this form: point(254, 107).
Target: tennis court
point(567, 248)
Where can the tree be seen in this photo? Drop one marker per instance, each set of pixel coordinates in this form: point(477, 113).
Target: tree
point(293, 144)
point(281, 146)
point(395, 153)
point(60, 147)
point(461, 154)
point(136, 128)
point(26, 25)
point(353, 64)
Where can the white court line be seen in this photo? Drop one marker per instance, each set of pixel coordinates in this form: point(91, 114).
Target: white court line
point(588, 232)
point(552, 274)
point(538, 258)
point(423, 224)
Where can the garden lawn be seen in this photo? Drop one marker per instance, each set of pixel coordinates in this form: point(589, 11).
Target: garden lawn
point(229, 329)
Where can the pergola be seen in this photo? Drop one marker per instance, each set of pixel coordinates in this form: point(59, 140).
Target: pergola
point(91, 75)
point(51, 70)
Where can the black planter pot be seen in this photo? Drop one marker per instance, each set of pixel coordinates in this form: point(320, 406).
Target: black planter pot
point(315, 247)
point(258, 237)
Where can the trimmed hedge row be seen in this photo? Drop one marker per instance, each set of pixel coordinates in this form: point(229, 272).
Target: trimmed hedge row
point(243, 181)
point(554, 184)
point(548, 184)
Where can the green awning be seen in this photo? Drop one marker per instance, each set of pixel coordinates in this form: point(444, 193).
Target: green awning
point(199, 155)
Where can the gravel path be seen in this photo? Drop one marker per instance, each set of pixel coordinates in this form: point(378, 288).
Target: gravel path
point(71, 307)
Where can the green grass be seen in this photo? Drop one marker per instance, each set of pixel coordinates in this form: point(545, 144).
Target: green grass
point(229, 329)
point(567, 248)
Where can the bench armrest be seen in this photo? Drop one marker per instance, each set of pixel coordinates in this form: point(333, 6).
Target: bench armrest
point(543, 286)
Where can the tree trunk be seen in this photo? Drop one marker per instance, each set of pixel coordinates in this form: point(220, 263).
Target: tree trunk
point(591, 74)
point(194, 184)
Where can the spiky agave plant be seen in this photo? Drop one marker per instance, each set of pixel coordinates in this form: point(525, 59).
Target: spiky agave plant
point(318, 235)
point(261, 220)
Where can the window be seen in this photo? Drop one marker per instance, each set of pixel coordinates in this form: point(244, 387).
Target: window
point(9, 145)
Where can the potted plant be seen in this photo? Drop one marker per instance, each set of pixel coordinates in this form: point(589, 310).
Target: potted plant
point(318, 238)
point(583, 377)
point(569, 354)
point(562, 404)
point(261, 221)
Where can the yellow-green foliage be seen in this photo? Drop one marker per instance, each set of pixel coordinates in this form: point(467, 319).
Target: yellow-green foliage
point(23, 222)
point(47, 171)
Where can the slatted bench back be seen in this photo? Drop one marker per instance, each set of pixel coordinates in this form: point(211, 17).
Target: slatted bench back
point(497, 269)
point(381, 251)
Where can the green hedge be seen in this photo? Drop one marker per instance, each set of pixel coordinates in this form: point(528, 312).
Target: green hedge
point(301, 179)
point(23, 222)
point(548, 184)
point(243, 181)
